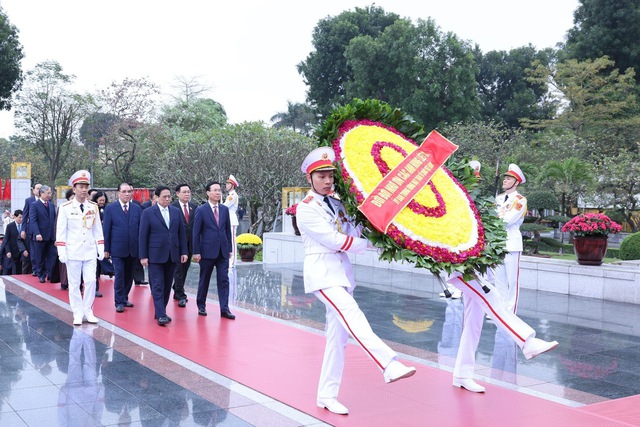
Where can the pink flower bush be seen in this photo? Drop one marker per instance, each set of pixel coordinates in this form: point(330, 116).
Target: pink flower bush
point(592, 224)
point(291, 210)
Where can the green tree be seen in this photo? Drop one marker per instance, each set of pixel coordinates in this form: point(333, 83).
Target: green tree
point(598, 108)
point(48, 115)
point(298, 117)
point(570, 177)
point(194, 115)
point(428, 73)
point(505, 93)
point(10, 57)
point(617, 187)
point(604, 27)
point(325, 70)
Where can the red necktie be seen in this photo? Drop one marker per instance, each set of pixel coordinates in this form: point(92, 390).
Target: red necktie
point(46, 205)
point(215, 214)
point(186, 213)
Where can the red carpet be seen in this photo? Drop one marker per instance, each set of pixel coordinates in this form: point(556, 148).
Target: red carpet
point(284, 362)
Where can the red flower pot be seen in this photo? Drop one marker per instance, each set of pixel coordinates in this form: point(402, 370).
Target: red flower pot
point(590, 250)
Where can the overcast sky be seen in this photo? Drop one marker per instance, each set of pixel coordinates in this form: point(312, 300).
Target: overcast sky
point(247, 51)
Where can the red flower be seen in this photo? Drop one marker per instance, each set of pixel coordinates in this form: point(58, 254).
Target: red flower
point(592, 224)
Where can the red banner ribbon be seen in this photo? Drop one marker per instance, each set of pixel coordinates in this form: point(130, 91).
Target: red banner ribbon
point(396, 189)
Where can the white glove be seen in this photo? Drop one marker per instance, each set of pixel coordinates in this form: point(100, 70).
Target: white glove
point(100, 251)
point(62, 256)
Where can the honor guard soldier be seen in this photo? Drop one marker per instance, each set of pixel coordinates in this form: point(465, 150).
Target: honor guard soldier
point(328, 235)
point(512, 208)
point(79, 239)
point(232, 203)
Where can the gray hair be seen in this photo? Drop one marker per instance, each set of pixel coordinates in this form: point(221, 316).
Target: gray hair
point(44, 189)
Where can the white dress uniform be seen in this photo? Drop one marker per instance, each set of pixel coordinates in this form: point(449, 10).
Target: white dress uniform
point(512, 208)
point(232, 203)
point(328, 235)
point(79, 238)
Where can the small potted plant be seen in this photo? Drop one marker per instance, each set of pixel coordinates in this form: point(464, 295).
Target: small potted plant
point(590, 233)
point(291, 211)
point(248, 244)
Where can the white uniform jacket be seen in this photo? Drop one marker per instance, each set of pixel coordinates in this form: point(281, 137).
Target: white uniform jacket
point(327, 236)
point(79, 234)
point(232, 203)
point(512, 213)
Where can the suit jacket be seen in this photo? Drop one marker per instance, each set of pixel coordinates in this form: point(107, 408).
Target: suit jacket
point(121, 232)
point(157, 242)
point(42, 221)
point(25, 214)
point(146, 205)
point(209, 238)
point(12, 242)
point(188, 226)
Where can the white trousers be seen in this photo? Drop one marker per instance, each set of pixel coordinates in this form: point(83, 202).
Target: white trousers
point(81, 304)
point(507, 278)
point(476, 304)
point(345, 318)
point(234, 247)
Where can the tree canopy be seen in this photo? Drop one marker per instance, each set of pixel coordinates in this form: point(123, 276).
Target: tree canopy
point(604, 27)
point(10, 56)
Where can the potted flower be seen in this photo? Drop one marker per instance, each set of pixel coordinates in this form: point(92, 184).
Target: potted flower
point(248, 244)
point(590, 233)
point(291, 211)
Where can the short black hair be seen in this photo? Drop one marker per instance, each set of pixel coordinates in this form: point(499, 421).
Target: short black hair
point(210, 183)
point(17, 212)
point(68, 193)
point(160, 189)
point(99, 194)
point(179, 186)
point(123, 183)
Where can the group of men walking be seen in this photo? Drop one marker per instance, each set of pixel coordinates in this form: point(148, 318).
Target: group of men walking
point(159, 235)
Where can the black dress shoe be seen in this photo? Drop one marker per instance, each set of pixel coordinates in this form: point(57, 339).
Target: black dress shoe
point(182, 303)
point(170, 319)
point(202, 312)
point(163, 321)
point(34, 274)
point(98, 294)
point(142, 283)
point(227, 315)
point(64, 287)
point(42, 279)
point(120, 308)
point(128, 304)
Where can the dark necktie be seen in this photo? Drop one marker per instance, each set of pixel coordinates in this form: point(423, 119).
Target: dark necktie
point(506, 197)
point(46, 205)
point(328, 202)
point(126, 210)
point(81, 207)
point(186, 212)
point(215, 214)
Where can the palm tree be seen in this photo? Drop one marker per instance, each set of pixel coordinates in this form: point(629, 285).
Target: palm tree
point(299, 117)
point(569, 177)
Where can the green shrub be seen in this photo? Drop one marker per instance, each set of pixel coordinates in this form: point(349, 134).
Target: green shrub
point(630, 247)
point(613, 253)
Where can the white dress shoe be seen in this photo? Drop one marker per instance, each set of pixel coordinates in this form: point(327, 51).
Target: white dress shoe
point(91, 318)
point(77, 320)
point(332, 405)
point(535, 346)
point(396, 371)
point(468, 384)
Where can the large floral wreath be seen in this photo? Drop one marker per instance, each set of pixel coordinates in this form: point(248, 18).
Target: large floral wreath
point(447, 227)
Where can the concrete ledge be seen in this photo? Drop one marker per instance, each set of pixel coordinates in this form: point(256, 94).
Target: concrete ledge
point(611, 282)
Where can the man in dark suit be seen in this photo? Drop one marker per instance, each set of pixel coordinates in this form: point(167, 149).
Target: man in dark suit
point(212, 248)
point(42, 227)
point(27, 265)
point(163, 244)
point(121, 228)
point(13, 246)
point(138, 269)
point(187, 209)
